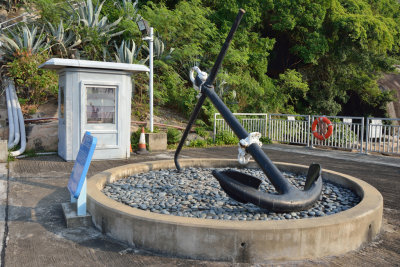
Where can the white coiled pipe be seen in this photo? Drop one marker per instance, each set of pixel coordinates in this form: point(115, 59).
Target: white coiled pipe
point(10, 117)
point(20, 120)
point(14, 101)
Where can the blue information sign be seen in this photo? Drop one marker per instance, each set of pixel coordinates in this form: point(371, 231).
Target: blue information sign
point(82, 163)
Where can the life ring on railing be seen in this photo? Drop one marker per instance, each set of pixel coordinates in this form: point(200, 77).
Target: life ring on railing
point(328, 132)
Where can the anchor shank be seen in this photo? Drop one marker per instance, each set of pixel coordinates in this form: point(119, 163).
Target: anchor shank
point(233, 123)
point(210, 80)
point(280, 183)
point(192, 119)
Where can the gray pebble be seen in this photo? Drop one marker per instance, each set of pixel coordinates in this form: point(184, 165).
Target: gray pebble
point(288, 216)
point(196, 193)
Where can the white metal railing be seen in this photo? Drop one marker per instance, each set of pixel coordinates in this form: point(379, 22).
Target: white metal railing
point(288, 128)
point(252, 122)
point(383, 135)
point(348, 133)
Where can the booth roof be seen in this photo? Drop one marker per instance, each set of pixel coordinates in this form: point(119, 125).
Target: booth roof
point(59, 63)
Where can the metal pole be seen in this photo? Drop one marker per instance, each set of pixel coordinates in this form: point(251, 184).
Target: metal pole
point(151, 79)
point(269, 127)
point(192, 119)
point(308, 131)
point(215, 126)
point(362, 135)
point(366, 139)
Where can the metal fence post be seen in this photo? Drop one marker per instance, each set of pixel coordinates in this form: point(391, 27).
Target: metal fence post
point(215, 126)
point(266, 123)
point(308, 130)
point(269, 127)
point(367, 139)
point(362, 135)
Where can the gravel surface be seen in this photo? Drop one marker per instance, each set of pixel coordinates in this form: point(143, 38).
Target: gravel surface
point(196, 193)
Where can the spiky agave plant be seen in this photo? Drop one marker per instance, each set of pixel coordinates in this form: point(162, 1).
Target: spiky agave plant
point(159, 50)
point(126, 52)
point(63, 40)
point(130, 8)
point(22, 39)
point(89, 16)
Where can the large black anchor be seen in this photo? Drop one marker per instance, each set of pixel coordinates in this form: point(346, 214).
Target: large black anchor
point(240, 186)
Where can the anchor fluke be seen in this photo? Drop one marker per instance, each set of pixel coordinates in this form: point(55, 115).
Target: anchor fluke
point(230, 176)
point(314, 172)
point(245, 188)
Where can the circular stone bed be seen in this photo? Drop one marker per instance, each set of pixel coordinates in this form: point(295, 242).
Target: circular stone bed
point(235, 240)
point(194, 192)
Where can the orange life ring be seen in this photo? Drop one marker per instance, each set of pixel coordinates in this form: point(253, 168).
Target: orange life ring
point(317, 134)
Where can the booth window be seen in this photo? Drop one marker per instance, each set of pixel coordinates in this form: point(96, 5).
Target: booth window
point(100, 104)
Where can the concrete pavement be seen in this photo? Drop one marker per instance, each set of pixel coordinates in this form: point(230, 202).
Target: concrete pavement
point(37, 235)
point(3, 205)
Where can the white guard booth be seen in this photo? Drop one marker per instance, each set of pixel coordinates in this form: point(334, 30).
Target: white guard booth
point(96, 97)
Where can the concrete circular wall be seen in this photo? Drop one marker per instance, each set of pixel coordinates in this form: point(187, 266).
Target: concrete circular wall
point(236, 241)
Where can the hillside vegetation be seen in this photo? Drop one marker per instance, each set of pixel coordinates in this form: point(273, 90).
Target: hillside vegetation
point(304, 56)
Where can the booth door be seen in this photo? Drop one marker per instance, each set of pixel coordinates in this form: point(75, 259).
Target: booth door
point(100, 117)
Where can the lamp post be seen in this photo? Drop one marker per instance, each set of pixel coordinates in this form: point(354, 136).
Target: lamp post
point(148, 33)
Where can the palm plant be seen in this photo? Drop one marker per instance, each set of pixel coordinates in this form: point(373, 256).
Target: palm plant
point(63, 39)
point(22, 39)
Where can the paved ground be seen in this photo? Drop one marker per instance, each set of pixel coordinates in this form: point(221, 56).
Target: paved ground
point(32, 230)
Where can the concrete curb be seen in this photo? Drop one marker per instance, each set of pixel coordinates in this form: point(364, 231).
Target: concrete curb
point(236, 241)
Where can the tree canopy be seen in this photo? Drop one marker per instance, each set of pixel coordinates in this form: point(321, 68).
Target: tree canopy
point(303, 56)
point(297, 56)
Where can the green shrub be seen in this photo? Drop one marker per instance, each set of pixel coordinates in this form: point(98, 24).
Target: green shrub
point(50, 10)
point(226, 138)
point(173, 136)
point(201, 131)
point(135, 139)
point(34, 85)
point(201, 123)
point(198, 143)
point(265, 140)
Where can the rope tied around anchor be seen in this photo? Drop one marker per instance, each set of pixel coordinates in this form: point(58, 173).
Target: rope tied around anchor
point(253, 138)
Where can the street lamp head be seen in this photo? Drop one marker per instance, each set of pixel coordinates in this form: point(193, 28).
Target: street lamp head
point(143, 26)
